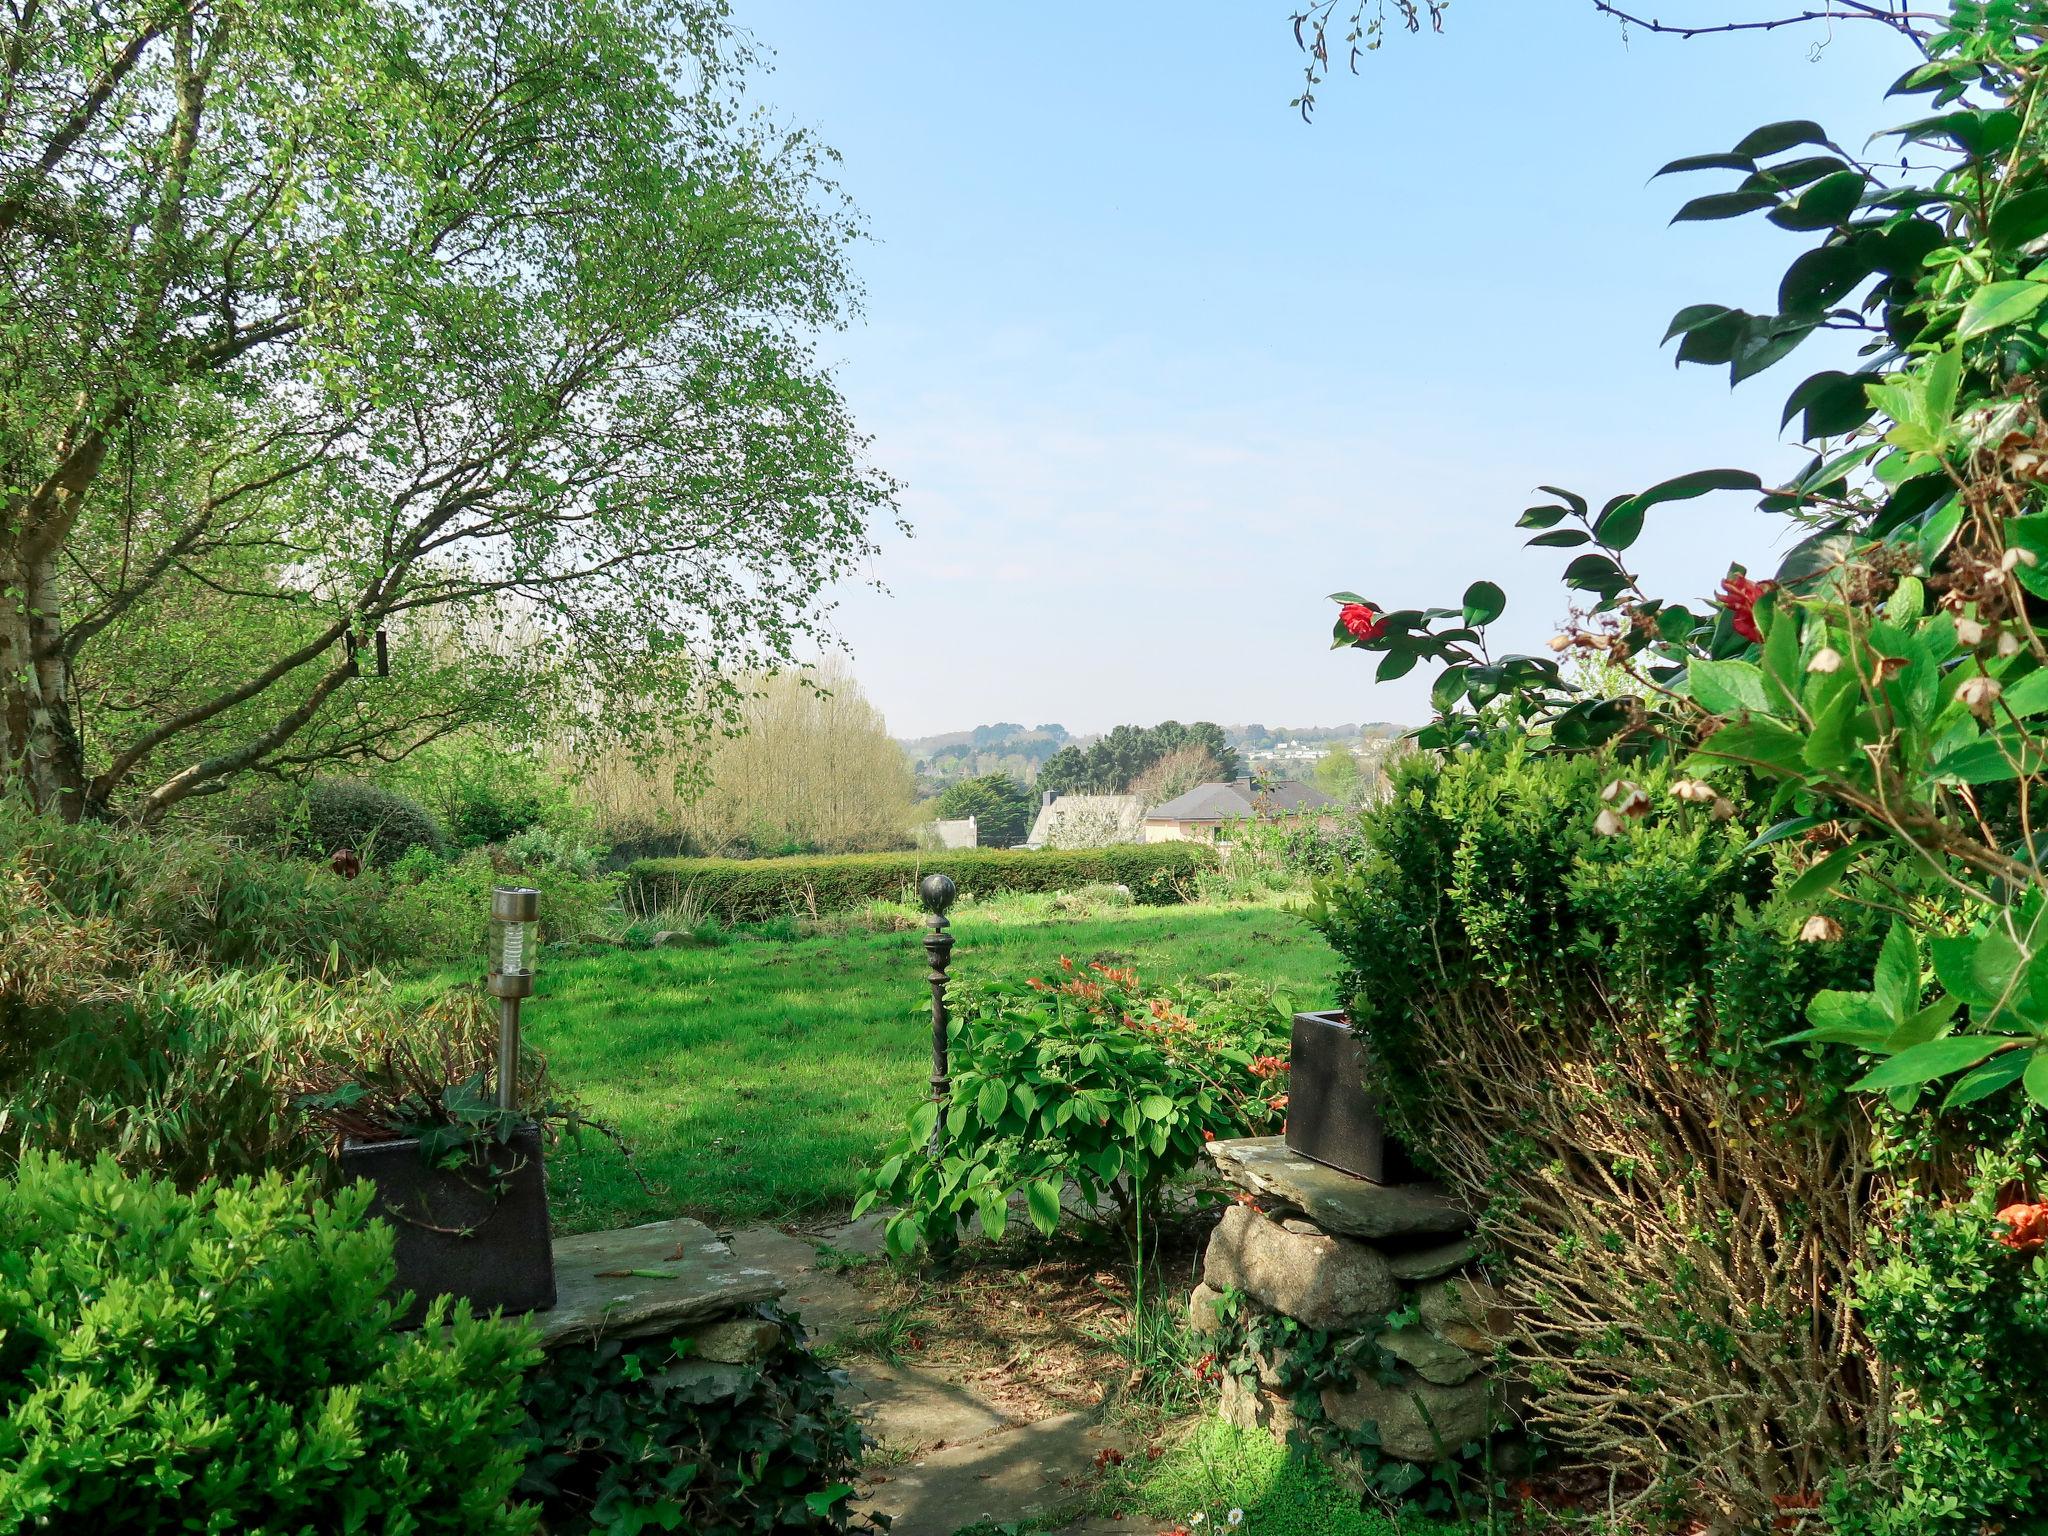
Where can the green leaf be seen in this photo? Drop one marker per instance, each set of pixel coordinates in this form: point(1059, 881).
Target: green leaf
point(2020, 220)
point(1823, 205)
point(901, 1235)
point(994, 1211)
point(1723, 205)
point(1155, 1106)
point(1897, 980)
point(1994, 759)
point(1834, 403)
point(1728, 687)
point(2037, 1075)
point(994, 1098)
point(1954, 961)
point(1935, 1059)
point(1817, 881)
point(821, 1502)
point(1707, 163)
point(1784, 829)
point(1563, 538)
point(1042, 1198)
point(1775, 138)
point(2028, 696)
point(1696, 317)
point(1997, 305)
point(2000, 1071)
point(1758, 742)
point(1484, 602)
point(1396, 664)
point(1844, 1018)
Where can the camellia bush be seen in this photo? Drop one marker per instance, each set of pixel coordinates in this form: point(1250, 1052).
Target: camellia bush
point(1882, 696)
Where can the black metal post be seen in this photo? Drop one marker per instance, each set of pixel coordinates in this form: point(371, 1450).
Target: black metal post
point(938, 894)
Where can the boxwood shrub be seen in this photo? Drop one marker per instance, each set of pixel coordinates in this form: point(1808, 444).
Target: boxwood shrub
point(750, 890)
point(224, 1361)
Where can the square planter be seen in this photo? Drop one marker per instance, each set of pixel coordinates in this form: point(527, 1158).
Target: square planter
point(464, 1233)
point(1333, 1103)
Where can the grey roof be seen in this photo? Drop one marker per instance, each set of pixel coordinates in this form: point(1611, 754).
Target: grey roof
point(1088, 821)
point(1241, 798)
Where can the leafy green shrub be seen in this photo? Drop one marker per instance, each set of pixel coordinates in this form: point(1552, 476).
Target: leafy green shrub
point(618, 1444)
point(194, 1075)
point(114, 901)
point(381, 825)
point(1091, 1082)
point(1579, 1032)
point(747, 890)
point(1959, 1309)
point(440, 909)
point(492, 800)
point(224, 1361)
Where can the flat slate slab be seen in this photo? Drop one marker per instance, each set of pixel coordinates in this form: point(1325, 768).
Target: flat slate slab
point(1336, 1202)
point(1004, 1477)
point(685, 1275)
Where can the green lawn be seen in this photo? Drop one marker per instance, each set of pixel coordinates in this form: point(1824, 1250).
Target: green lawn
point(756, 1078)
point(1218, 1469)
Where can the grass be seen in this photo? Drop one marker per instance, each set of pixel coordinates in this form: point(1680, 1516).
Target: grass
point(1217, 1469)
point(756, 1077)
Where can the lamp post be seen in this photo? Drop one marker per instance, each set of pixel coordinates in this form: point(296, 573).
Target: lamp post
point(515, 912)
point(938, 892)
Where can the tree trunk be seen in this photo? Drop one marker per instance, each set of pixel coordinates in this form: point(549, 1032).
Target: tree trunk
point(43, 754)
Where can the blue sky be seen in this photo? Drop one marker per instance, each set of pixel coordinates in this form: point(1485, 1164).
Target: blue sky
point(1161, 365)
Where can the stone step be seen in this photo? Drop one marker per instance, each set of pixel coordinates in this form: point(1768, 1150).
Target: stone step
point(1336, 1202)
point(686, 1275)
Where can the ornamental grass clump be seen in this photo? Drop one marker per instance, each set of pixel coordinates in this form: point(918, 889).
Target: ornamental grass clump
point(224, 1361)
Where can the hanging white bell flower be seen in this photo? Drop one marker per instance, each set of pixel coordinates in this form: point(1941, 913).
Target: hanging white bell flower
point(1979, 694)
point(1694, 791)
point(1969, 632)
point(2008, 643)
point(1820, 929)
point(1724, 809)
point(1607, 824)
point(1627, 797)
point(1826, 659)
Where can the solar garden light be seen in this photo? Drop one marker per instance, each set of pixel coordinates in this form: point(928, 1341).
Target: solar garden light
point(515, 913)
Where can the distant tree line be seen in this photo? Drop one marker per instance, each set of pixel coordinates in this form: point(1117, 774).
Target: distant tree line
point(1000, 805)
point(1113, 763)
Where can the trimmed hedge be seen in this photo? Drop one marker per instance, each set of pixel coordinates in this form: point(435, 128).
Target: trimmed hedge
point(750, 890)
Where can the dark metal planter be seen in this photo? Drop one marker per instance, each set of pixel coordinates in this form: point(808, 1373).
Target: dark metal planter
point(464, 1233)
point(1333, 1102)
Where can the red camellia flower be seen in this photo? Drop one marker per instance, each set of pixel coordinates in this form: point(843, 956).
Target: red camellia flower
point(2027, 1227)
point(1363, 623)
point(1738, 595)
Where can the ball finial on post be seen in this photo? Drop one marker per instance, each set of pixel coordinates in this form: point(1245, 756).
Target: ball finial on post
point(938, 893)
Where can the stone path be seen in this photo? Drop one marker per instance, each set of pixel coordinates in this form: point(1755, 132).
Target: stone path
point(946, 1455)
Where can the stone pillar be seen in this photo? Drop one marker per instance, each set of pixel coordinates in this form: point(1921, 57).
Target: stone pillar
point(1388, 1270)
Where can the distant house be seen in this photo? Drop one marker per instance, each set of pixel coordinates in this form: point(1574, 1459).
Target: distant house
point(1087, 821)
point(949, 834)
point(1203, 812)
